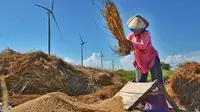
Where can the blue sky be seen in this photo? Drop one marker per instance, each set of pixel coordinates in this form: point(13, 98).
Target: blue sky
point(174, 27)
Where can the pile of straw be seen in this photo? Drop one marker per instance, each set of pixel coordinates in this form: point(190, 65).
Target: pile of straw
point(114, 24)
point(183, 85)
point(100, 95)
point(39, 73)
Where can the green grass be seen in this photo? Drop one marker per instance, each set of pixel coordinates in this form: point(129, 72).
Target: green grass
point(127, 75)
point(130, 75)
point(166, 74)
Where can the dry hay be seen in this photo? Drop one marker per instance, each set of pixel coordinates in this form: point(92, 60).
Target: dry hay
point(60, 102)
point(36, 73)
point(184, 84)
point(114, 24)
point(100, 76)
point(16, 100)
point(39, 73)
point(8, 51)
point(190, 67)
point(103, 94)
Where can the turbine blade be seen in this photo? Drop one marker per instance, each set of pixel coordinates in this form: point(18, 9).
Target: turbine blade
point(56, 24)
point(43, 7)
point(52, 5)
point(84, 42)
point(114, 51)
point(101, 29)
point(80, 36)
point(101, 53)
point(101, 1)
point(92, 2)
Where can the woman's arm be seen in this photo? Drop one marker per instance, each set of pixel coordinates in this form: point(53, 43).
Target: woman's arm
point(126, 47)
point(129, 42)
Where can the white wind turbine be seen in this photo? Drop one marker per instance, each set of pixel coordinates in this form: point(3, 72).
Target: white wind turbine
point(101, 55)
point(82, 45)
point(49, 12)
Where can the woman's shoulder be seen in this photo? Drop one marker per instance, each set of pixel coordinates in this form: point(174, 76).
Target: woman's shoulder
point(130, 36)
point(146, 33)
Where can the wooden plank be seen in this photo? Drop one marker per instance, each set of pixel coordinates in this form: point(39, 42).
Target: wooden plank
point(135, 88)
point(129, 99)
point(144, 95)
point(133, 92)
point(171, 102)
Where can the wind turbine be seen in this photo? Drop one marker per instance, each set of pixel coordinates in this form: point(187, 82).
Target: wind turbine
point(50, 12)
point(121, 66)
point(101, 55)
point(113, 64)
point(82, 44)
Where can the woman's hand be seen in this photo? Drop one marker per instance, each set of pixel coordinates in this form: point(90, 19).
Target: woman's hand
point(125, 48)
point(129, 45)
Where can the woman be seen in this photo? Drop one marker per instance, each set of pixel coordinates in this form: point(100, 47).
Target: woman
point(146, 58)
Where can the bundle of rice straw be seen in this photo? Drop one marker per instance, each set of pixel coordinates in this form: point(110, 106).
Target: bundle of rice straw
point(114, 24)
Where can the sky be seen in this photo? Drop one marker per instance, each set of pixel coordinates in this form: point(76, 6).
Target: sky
point(174, 27)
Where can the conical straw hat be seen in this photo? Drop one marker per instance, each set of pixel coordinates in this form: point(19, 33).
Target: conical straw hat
point(137, 22)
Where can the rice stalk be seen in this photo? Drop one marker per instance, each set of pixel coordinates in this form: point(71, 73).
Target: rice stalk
point(114, 24)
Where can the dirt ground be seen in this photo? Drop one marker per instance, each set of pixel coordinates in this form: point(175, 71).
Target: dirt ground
point(101, 95)
point(60, 102)
point(94, 98)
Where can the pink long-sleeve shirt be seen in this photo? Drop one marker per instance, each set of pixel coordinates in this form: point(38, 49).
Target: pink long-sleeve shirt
point(143, 50)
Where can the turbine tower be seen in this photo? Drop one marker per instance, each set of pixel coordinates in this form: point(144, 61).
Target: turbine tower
point(101, 55)
point(113, 64)
point(82, 44)
point(49, 13)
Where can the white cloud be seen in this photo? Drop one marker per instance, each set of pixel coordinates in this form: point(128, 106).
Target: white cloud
point(95, 61)
point(127, 62)
point(69, 60)
point(174, 60)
